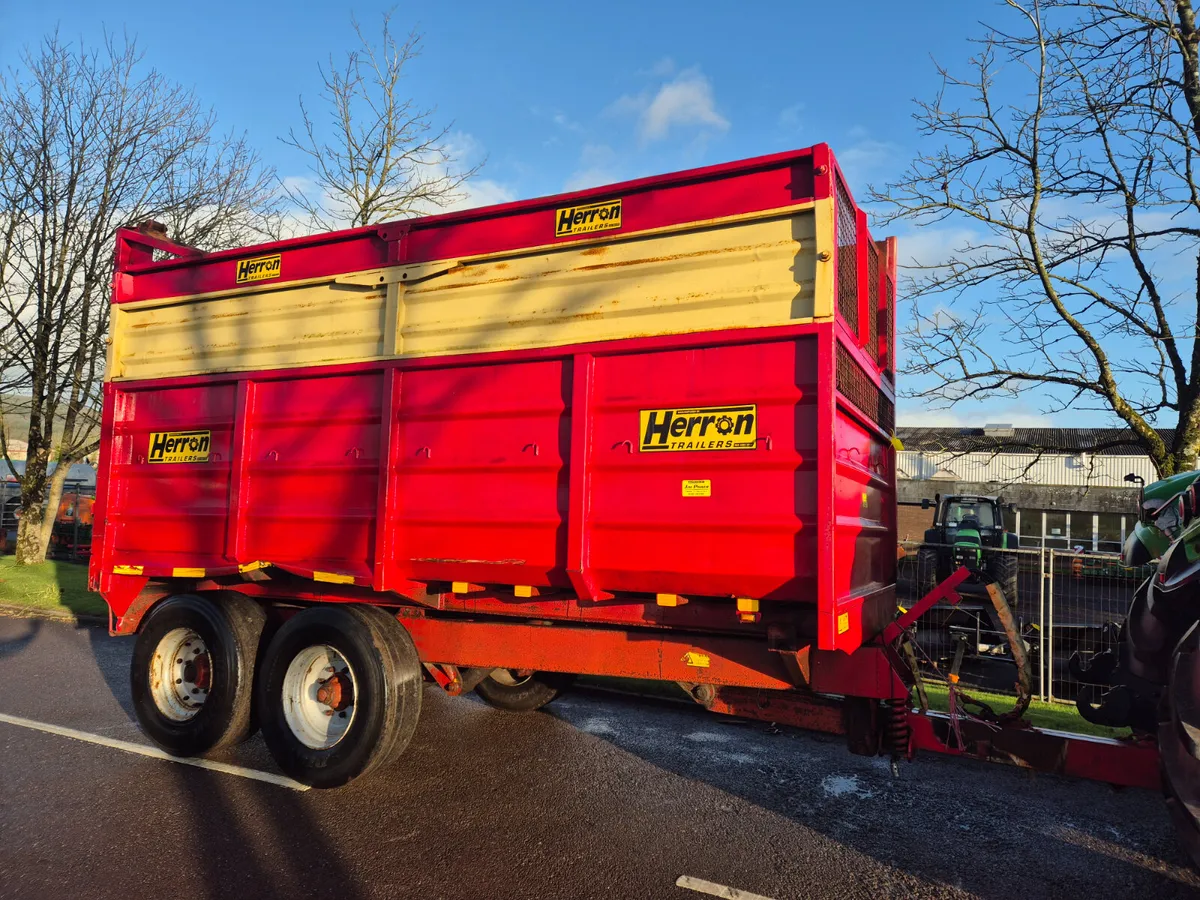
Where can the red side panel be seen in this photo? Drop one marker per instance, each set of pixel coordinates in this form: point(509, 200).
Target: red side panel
point(754, 535)
point(481, 491)
point(174, 514)
point(312, 472)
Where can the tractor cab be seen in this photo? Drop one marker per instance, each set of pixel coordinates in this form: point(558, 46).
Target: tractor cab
point(966, 531)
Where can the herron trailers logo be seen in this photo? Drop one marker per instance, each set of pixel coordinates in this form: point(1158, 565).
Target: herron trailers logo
point(590, 217)
point(179, 446)
point(258, 269)
point(702, 428)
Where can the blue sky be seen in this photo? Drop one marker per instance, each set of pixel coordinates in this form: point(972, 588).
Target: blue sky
point(563, 95)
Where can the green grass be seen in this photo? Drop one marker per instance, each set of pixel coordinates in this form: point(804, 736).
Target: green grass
point(1054, 716)
point(52, 585)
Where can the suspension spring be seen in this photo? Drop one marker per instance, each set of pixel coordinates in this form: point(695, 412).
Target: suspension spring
point(896, 732)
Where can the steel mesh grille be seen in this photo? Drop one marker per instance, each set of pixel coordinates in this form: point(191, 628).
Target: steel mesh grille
point(847, 257)
point(873, 293)
point(855, 386)
point(886, 326)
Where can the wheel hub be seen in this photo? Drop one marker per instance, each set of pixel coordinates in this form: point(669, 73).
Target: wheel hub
point(180, 674)
point(318, 696)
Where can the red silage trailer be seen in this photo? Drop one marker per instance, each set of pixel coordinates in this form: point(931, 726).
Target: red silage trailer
point(639, 430)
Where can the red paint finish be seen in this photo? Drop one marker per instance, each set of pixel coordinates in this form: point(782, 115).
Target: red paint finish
point(768, 182)
point(517, 469)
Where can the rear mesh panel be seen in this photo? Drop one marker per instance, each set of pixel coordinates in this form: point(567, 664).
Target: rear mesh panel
point(887, 322)
point(875, 296)
point(847, 258)
point(855, 386)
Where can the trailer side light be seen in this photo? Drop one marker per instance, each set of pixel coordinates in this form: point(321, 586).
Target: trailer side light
point(747, 609)
point(670, 600)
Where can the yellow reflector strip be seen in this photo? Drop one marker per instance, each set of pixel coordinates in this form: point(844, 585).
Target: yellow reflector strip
point(127, 570)
point(459, 587)
point(902, 609)
point(747, 605)
point(253, 566)
point(667, 599)
point(523, 590)
point(843, 623)
point(699, 660)
point(333, 577)
point(187, 573)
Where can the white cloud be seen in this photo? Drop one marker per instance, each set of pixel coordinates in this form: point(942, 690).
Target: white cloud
point(596, 167)
point(869, 159)
point(664, 68)
point(482, 192)
point(981, 414)
point(686, 100)
point(790, 117)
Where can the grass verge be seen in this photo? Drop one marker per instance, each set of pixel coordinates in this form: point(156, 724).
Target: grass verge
point(53, 585)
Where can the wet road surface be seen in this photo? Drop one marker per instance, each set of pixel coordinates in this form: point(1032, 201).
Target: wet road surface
point(599, 796)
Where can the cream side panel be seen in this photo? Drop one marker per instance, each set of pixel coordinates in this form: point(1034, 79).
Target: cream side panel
point(749, 273)
point(732, 276)
point(314, 325)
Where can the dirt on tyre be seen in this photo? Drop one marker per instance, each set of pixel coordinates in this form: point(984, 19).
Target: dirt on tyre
point(518, 692)
point(339, 693)
point(192, 672)
point(927, 570)
point(1004, 569)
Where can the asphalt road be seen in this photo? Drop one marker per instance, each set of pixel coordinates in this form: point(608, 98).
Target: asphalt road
point(602, 796)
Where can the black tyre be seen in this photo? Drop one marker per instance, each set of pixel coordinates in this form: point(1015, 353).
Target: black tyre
point(927, 570)
point(192, 672)
point(1004, 569)
point(339, 693)
point(514, 692)
point(1179, 743)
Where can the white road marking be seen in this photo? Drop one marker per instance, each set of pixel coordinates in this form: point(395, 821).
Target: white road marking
point(153, 752)
point(716, 890)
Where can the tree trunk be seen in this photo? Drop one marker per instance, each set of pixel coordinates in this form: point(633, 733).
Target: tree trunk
point(31, 548)
point(54, 494)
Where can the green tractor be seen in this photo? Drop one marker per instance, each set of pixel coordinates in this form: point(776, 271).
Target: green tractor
point(965, 528)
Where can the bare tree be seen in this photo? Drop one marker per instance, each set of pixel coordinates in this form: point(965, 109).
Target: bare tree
point(91, 140)
point(1069, 172)
point(384, 158)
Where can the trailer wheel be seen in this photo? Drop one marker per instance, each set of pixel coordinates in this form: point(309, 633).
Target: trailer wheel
point(339, 693)
point(510, 690)
point(192, 672)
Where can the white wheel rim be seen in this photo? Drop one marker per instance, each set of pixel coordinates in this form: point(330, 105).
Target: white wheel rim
point(180, 674)
point(509, 677)
point(319, 691)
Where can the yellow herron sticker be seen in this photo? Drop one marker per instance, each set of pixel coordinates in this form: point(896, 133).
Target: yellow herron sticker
point(260, 268)
point(699, 660)
point(699, 428)
point(843, 623)
point(179, 446)
point(587, 217)
point(697, 487)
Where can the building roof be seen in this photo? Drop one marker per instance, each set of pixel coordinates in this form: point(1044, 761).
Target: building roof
point(1006, 439)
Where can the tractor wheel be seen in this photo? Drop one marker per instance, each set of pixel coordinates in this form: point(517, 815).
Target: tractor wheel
point(192, 672)
point(1179, 743)
point(1004, 568)
point(927, 570)
point(508, 690)
point(339, 694)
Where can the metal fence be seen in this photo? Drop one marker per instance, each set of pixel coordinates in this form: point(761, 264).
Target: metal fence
point(1067, 602)
point(71, 537)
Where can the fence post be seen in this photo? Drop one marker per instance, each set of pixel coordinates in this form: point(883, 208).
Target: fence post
point(1042, 622)
point(1048, 659)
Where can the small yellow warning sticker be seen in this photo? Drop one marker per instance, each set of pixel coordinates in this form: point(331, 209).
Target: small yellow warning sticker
point(843, 623)
point(697, 487)
point(699, 660)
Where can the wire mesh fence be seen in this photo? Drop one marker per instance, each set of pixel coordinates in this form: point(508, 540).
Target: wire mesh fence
point(1065, 602)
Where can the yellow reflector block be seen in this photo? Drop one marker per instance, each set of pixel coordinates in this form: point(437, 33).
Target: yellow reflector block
point(843, 623)
point(127, 570)
point(459, 587)
point(699, 660)
point(187, 573)
point(747, 605)
point(670, 600)
point(523, 590)
point(253, 566)
point(333, 577)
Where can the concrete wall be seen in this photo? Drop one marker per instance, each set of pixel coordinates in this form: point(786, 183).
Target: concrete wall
point(1026, 496)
